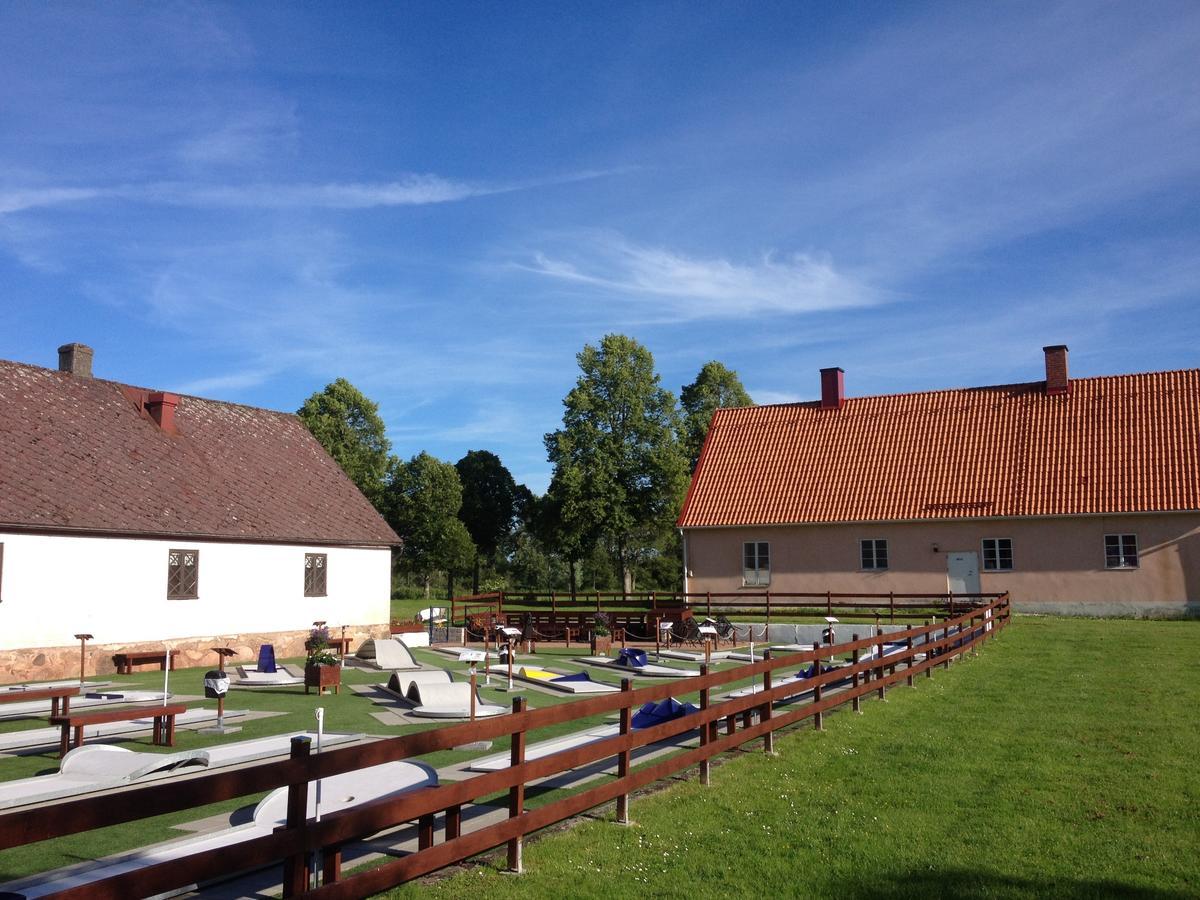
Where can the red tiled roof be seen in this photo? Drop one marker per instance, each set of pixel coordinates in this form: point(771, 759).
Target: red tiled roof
point(77, 454)
point(1117, 444)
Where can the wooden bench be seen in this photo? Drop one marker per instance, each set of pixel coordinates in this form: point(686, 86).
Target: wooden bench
point(54, 695)
point(126, 660)
point(164, 722)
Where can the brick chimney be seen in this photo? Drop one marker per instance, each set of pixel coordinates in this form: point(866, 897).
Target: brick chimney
point(833, 388)
point(75, 359)
point(161, 407)
point(1057, 383)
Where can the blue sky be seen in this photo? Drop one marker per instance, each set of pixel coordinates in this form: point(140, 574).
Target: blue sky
point(444, 202)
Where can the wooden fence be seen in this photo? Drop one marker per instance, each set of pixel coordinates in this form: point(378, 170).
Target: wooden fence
point(765, 603)
point(749, 718)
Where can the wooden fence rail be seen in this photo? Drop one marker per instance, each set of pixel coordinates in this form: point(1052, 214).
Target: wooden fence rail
point(708, 602)
point(925, 646)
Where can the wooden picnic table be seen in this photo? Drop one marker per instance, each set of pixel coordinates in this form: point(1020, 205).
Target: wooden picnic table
point(127, 659)
point(164, 722)
point(53, 694)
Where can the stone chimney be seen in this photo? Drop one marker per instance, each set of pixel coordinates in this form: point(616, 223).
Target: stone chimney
point(1057, 383)
point(833, 388)
point(161, 407)
point(75, 359)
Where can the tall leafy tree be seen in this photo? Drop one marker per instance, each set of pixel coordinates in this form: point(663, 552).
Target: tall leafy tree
point(716, 387)
point(422, 501)
point(489, 504)
point(348, 426)
point(618, 470)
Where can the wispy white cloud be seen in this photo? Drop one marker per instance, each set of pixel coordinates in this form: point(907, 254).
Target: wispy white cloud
point(416, 189)
point(19, 199)
point(766, 398)
point(223, 384)
point(703, 288)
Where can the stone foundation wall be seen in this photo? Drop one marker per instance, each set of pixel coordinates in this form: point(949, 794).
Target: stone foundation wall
point(50, 663)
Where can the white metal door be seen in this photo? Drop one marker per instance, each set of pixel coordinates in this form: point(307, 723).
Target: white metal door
point(962, 572)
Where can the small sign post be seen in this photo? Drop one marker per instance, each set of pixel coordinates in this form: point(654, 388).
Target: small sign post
point(83, 639)
point(473, 657)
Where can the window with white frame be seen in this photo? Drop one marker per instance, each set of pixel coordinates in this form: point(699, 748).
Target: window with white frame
point(756, 563)
point(315, 567)
point(183, 574)
point(997, 554)
point(874, 553)
point(1120, 551)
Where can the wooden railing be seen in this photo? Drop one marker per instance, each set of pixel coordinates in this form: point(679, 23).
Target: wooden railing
point(926, 646)
point(766, 603)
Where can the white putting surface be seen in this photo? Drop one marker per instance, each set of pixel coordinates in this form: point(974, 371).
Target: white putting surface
point(646, 671)
point(249, 676)
point(337, 792)
point(546, 678)
point(42, 737)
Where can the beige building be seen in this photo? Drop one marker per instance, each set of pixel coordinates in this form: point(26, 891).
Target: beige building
point(1075, 495)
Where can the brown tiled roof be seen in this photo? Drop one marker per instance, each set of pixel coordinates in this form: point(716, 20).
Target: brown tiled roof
point(78, 454)
point(1124, 443)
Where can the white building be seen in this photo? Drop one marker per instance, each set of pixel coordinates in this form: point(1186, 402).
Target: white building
point(143, 517)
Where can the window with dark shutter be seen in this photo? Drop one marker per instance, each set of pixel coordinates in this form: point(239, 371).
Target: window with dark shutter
point(315, 567)
point(874, 553)
point(997, 554)
point(183, 574)
point(1120, 551)
point(756, 563)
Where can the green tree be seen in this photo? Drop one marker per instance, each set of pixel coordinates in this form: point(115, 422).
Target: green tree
point(348, 426)
point(489, 504)
point(716, 387)
point(618, 470)
point(422, 501)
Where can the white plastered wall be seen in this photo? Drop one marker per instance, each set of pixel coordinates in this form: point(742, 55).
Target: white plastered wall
point(116, 589)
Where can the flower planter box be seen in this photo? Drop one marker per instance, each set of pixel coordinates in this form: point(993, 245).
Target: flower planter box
point(322, 677)
point(601, 644)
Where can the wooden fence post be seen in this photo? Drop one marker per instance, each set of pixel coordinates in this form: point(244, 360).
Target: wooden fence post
point(892, 606)
point(516, 793)
point(767, 627)
point(705, 768)
point(708, 603)
point(879, 671)
point(928, 652)
point(769, 737)
point(856, 703)
point(818, 721)
point(909, 662)
point(623, 758)
point(454, 822)
point(295, 867)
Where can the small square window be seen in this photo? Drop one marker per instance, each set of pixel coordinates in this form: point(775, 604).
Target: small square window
point(316, 566)
point(183, 574)
point(997, 554)
point(874, 553)
point(1120, 551)
point(756, 563)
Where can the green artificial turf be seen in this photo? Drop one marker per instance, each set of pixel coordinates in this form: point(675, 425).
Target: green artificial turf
point(1059, 763)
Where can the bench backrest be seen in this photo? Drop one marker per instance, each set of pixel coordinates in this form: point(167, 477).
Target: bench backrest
point(39, 694)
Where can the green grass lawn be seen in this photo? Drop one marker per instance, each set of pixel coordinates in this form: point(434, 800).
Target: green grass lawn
point(1059, 763)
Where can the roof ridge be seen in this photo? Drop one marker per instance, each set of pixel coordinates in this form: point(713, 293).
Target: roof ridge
point(962, 389)
point(137, 387)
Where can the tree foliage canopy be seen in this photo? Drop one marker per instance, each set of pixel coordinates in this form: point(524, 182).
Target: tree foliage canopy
point(716, 387)
point(489, 499)
point(618, 471)
point(423, 498)
point(348, 426)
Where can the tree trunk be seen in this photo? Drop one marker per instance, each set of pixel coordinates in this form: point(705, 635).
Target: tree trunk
point(426, 587)
point(475, 579)
point(571, 566)
point(450, 584)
